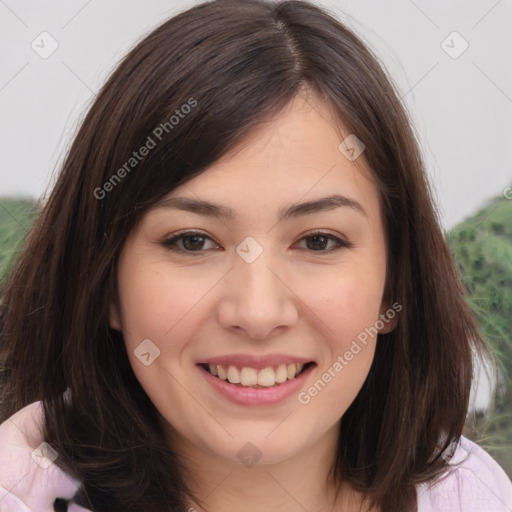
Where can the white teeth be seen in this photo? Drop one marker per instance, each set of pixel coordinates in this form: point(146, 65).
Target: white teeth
point(248, 377)
point(221, 373)
point(266, 377)
point(281, 374)
point(233, 375)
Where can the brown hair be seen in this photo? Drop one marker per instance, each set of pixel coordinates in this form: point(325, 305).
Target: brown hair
point(242, 62)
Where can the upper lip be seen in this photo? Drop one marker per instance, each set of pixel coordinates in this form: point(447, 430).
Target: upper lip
point(256, 362)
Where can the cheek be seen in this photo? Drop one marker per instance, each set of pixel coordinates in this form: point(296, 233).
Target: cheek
point(346, 310)
point(348, 304)
point(350, 313)
point(352, 319)
point(142, 306)
point(162, 308)
point(156, 304)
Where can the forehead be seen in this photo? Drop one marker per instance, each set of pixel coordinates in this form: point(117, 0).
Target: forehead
point(297, 155)
point(301, 147)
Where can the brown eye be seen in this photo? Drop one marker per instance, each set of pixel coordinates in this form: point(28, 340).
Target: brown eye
point(324, 242)
point(189, 242)
point(193, 242)
point(317, 242)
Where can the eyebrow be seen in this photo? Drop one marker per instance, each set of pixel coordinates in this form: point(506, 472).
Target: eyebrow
point(206, 208)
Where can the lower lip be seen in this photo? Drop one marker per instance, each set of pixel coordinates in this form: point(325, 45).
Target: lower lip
point(261, 396)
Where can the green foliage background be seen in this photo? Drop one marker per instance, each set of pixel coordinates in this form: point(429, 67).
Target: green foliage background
point(482, 247)
point(16, 217)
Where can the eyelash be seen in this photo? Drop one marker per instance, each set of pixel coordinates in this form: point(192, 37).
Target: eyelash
point(171, 243)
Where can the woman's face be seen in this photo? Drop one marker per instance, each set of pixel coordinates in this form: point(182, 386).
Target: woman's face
point(273, 275)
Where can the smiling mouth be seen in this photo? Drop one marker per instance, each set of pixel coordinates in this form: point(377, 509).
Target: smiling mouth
point(256, 379)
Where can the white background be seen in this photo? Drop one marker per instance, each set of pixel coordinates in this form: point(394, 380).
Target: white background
point(462, 108)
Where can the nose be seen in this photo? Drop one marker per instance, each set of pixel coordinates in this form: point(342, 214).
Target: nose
point(257, 300)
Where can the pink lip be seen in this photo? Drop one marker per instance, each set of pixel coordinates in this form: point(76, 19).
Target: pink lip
point(256, 362)
point(262, 396)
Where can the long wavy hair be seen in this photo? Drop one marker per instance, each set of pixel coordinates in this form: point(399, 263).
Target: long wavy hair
point(242, 62)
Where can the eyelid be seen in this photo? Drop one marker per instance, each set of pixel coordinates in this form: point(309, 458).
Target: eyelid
point(341, 242)
point(170, 241)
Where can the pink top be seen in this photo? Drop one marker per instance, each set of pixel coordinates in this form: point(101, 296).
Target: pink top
point(30, 482)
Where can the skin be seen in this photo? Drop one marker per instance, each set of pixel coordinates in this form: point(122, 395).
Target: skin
point(292, 299)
